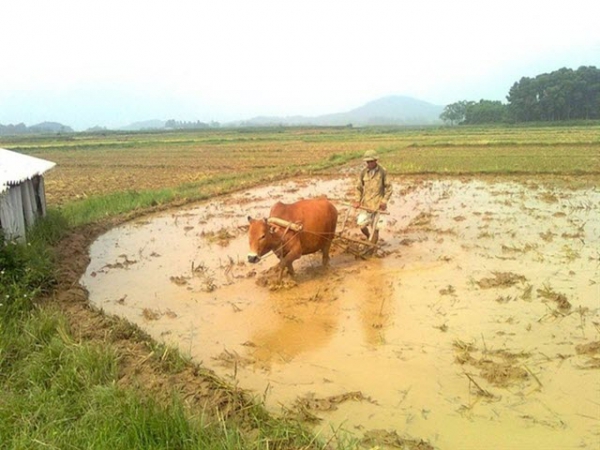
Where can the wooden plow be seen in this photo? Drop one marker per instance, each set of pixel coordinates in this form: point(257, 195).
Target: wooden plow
point(360, 248)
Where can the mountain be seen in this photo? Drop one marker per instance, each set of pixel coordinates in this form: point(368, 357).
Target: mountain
point(40, 128)
point(391, 110)
point(50, 127)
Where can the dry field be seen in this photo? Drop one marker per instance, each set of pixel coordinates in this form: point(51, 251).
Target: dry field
point(145, 162)
point(92, 165)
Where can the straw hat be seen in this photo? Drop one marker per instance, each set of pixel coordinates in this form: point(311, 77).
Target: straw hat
point(370, 155)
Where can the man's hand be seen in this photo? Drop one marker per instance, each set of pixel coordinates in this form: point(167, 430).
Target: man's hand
point(356, 204)
point(382, 207)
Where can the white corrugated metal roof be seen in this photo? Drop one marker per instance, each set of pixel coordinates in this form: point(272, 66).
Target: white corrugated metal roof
point(15, 168)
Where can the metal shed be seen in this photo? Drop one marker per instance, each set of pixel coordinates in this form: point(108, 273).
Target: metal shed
point(22, 193)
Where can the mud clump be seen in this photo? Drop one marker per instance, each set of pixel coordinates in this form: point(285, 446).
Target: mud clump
point(270, 280)
point(222, 238)
point(421, 221)
point(303, 407)
point(501, 374)
point(591, 349)
point(179, 280)
point(232, 359)
point(501, 279)
point(150, 314)
point(124, 264)
point(499, 368)
point(385, 438)
point(562, 304)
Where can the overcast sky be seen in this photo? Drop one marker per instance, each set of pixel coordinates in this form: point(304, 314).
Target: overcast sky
point(111, 62)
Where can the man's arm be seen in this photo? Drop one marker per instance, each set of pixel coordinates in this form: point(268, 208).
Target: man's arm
point(360, 189)
point(387, 190)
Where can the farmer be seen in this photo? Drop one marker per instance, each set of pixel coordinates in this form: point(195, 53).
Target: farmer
point(373, 193)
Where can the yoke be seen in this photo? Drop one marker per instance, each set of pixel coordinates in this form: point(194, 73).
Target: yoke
point(284, 223)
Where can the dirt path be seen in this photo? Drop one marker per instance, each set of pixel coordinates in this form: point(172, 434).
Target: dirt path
point(476, 326)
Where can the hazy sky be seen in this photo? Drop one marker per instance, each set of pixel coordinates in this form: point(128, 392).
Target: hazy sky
point(103, 62)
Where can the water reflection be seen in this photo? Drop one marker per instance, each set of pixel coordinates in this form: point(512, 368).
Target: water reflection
point(299, 323)
point(376, 304)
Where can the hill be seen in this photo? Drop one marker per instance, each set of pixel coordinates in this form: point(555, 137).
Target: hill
point(390, 110)
point(40, 128)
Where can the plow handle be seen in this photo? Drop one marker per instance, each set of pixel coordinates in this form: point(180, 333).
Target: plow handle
point(366, 209)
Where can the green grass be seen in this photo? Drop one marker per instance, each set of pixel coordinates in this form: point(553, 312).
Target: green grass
point(61, 394)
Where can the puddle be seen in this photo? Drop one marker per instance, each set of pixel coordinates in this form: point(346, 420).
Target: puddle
point(476, 326)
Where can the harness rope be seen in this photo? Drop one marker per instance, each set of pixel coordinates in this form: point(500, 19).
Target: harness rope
point(297, 227)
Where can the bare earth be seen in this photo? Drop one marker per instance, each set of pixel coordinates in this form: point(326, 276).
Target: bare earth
point(475, 325)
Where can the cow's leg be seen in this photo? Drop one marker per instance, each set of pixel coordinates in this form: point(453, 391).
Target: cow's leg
point(290, 269)
point(325, 252)
point(286, 261)
point(283, 264)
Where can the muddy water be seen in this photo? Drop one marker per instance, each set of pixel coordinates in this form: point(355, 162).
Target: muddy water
point(476, 325)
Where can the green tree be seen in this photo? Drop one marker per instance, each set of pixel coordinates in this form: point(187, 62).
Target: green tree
point(485, 111)
point(455, 113)
point(522, 99)
point(564, 94)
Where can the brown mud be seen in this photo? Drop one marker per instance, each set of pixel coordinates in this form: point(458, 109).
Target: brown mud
point(476, 324)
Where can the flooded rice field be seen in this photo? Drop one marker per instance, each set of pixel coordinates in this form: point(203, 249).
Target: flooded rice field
point(475, 325)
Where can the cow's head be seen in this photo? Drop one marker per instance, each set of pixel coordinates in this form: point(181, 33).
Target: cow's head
point(261, 237)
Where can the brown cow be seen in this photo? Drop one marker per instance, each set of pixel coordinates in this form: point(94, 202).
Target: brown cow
point(317, 218)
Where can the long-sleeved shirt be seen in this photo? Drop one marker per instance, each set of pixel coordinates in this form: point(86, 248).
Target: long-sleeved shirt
point(373, 187)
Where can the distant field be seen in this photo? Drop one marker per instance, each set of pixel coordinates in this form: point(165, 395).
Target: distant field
point(93, 165)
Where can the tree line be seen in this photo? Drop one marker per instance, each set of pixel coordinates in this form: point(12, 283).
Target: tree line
point(564, 94)
point(184, 125)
